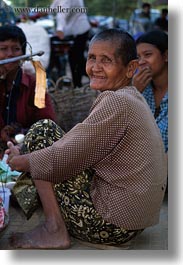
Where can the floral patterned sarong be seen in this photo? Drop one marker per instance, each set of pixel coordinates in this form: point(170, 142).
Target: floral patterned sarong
point(73, 196)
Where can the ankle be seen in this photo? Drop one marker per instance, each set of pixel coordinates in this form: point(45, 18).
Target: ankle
point(54, 225)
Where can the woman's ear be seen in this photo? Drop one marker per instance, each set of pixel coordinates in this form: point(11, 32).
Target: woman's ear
point(131, 68)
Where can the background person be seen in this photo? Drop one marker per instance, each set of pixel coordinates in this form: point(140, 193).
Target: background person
point(146, 17)
point(151, 78)
point(73, 25)
point(110, 169)
point(17, 110)
point(162, 22)
point(146, 10)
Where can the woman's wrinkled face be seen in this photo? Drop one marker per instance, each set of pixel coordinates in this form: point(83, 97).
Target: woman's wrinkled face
point(9, 49)
point(105, 70)
point(150, 56)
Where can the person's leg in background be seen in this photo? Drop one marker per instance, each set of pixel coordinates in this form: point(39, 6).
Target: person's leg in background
point(77, 60)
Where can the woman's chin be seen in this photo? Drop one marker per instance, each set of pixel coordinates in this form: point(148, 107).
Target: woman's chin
point(96, 85)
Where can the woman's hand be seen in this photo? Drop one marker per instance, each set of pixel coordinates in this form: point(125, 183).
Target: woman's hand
point(60, 34)
point(142, 78)
point(15, 160)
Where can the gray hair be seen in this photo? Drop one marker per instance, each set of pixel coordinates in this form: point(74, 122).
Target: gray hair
point(125, 44)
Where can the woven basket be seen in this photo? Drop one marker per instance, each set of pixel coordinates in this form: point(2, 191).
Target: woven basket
point(71, 105)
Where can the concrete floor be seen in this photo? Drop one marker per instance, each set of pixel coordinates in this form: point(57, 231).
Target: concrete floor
point(153, 238)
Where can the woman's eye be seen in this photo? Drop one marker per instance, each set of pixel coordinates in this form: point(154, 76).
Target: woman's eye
point(148, 54)
point(106, 60)
point(3, 49)
point(91, 57)
point(16, 49)
point(144, 56)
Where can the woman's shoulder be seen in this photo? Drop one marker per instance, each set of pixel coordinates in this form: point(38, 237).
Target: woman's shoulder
point(118, 99)
point(130, 94)
point(122, 93)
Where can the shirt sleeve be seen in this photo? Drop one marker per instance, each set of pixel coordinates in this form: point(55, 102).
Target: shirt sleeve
point(86, 144)
point(62, 14)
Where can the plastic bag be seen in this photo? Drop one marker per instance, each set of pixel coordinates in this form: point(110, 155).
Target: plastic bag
point(6, 174)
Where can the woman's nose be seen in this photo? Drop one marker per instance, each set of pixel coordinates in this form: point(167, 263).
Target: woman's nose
point(141, 61)
point(96, 65)
point(9, 52)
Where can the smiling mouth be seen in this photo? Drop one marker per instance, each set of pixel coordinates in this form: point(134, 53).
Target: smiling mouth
point(97, 77)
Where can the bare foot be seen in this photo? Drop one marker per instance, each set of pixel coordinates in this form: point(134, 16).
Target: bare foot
point(41, 238)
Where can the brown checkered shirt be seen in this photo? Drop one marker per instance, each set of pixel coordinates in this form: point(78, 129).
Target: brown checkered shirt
point(122, 143)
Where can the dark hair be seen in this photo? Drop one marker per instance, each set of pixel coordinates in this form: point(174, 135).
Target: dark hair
point(157, 38)
point(11, 32)
point(146, 5)
point(164, 11)
point(126, 47)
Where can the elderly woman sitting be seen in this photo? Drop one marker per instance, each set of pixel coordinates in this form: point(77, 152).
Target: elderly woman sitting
point(104, 180)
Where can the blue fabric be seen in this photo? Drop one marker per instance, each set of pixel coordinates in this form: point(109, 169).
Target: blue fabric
point(162, 118)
